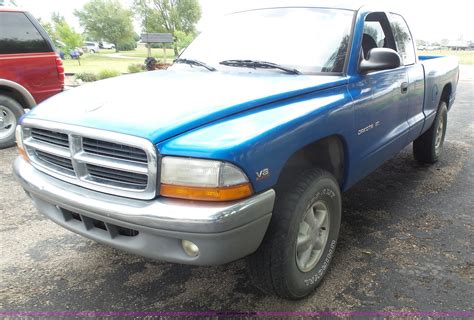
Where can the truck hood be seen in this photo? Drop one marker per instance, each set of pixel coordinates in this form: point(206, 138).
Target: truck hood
point(161, 104)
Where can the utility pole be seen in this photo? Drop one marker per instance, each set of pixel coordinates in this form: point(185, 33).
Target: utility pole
point(145, 4)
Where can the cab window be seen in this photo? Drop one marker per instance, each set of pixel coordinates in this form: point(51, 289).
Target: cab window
point(377, 33)
point(403, 39)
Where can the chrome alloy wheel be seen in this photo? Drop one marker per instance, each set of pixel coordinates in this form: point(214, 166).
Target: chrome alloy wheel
point(439, 135)
point(312, 236)
point(7, 122)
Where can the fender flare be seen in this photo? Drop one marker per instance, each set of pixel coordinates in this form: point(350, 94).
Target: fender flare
point(28, 98)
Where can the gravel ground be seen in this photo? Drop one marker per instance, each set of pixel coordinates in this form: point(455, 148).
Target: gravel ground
point(406, 245)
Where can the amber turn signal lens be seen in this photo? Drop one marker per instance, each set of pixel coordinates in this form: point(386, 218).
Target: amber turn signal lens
point(23, 154)
point(19, 142)
point(207, 194)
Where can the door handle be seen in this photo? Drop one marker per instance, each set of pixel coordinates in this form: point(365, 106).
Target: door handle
point(404, 87)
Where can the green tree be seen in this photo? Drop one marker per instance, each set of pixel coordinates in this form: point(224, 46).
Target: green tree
point(49, 28)
point(107, 20)
point(60, 30)
point(420, 43)
point(57, 18)
point(68, 35)
point(183, 39)
point(178, 17)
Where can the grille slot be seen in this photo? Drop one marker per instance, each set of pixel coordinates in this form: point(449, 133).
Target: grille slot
point(63, 163)
point(51, 137)
point(114, 150)
point(91, 224)
point(117, 176)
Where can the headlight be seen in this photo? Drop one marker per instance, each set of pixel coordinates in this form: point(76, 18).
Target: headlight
point(19, 142)
point(207, 180)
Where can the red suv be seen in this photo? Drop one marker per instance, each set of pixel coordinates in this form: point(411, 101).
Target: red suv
point(30, 69)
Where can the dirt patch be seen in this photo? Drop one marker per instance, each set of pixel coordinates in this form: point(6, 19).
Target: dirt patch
point(443, 175)
point(466, 271)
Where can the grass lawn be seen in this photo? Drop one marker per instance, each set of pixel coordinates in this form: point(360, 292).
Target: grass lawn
point(141, 52)
point(465, 57)
point(94, 63)
point(111, 60)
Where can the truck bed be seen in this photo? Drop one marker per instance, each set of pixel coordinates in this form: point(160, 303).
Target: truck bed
point(439, 71)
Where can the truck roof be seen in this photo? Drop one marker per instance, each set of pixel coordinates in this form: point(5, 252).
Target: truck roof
point(348, 5)
point(12, 9)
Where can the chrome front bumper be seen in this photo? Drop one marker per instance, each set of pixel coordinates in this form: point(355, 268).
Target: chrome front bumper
point(223, 231)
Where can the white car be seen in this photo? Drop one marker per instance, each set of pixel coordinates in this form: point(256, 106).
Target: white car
point(106, 45)
point(91, 47)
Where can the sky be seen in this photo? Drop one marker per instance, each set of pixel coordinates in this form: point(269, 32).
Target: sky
point(429, 20)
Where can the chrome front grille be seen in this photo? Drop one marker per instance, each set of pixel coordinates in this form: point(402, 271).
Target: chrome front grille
point(100, 160)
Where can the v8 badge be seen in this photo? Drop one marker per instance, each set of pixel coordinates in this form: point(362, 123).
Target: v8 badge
point(263, 174)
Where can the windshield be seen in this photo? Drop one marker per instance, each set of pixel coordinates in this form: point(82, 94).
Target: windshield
point(310, 40)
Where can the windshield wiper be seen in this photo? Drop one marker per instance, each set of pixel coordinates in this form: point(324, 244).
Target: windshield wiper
point(193, 62)
point(256, 64)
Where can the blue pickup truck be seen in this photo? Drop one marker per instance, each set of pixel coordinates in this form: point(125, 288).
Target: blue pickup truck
point(243, 147)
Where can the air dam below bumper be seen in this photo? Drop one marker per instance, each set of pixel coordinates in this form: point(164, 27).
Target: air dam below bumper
point(224, 232)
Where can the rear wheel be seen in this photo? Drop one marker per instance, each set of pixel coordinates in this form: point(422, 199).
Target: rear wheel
point(429, 146)
point(302, 236)
point(10, 113)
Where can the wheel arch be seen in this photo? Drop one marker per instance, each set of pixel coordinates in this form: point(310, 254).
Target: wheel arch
point(17, 92)
point(329, 154)
point(446, 94)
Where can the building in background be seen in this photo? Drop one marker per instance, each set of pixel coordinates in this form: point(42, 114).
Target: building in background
point(458, 45)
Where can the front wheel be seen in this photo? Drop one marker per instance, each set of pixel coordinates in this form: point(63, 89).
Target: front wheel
point(429, 146)
point(302, 236)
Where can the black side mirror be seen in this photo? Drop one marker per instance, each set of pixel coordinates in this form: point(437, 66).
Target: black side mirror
point(380, 59)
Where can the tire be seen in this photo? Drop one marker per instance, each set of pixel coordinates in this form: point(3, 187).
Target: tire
point(10, 113)
point(429, 146)
point(278, 265)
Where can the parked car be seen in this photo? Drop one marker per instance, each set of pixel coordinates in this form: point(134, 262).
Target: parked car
point(91, 47)
point(30, 69)
point(106, 45)
point(249, 145)
point(72, 53)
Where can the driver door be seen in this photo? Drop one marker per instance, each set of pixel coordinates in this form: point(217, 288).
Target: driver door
point(380, 102)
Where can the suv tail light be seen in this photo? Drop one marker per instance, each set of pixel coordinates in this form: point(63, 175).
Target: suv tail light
point(60, 68)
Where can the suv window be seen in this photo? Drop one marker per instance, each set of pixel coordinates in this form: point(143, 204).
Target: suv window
point(403, 39)
point(19, 35)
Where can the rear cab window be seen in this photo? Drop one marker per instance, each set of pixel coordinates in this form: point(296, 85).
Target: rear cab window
point(19, 35)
